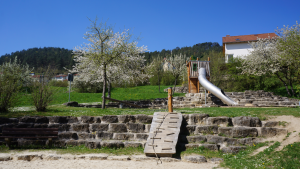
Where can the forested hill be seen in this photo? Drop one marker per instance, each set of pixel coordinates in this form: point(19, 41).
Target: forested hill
point(41, 58)
point(198, 50)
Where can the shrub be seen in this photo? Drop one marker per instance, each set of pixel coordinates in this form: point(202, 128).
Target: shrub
point(57, 83)
point(41, 95)
point(13, 76)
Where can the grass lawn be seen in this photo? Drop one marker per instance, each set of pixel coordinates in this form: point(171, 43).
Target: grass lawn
point(131, 93)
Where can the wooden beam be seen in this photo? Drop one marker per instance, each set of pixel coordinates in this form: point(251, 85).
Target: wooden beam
point(170, 104)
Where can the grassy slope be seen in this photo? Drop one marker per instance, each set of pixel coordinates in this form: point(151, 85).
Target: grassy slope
point(131, 93)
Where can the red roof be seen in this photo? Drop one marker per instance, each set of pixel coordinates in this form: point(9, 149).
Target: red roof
point(246, 38)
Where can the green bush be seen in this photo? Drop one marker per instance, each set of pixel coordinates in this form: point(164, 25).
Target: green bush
point(57, 83)
point(87, 87)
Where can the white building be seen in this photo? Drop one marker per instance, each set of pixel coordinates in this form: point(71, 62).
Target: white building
point(238, 46)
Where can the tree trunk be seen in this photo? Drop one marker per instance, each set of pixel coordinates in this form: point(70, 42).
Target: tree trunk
point(286, 87)
point(104, 86)
point(158, 83)
point(108, 89)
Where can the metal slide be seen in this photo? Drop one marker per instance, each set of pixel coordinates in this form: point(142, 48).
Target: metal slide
point(213, 89)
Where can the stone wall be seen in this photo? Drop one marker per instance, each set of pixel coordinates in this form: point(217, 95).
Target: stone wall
point(215, 133)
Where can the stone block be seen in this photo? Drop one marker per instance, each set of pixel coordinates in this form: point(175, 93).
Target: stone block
point(98, 127)
point(71, 143)
point(135, 127)
point(232, 141)
point(247, 141)
point(126, 119)
point(13, 120)
point(5, 157)
point(216, 160)
point(188, 130)
point(123, 136)
point(147, 128)
point(195, 159)
point(4, 120)
point(114, 144)
point(219, 121)
point(81, 127)
point(191, 145)
point(132, 144)
point(56, 143)
point(142, 118)
point(41, 119)
point(212, 129)
point(233, 149)
point(142, 136)
point(104, 135)
point(72, 104)
point(241, 132)
point(225, 131)
point(270, 123)
point(198, 119)
point(109, 119)
point(27, 119)
point(271, 132)
point(185, 119)
point(25, 125)
point(212, 147)
point(61, 127)
point(28, 157)
point(117, 128)
point(44, 125)
point(68, 135)
point(57, 119)
point(196, 139)
point(93, 144)
point(85, 136)
point(51, 157)
point(88, 119)
point(71, 119)
point(246, 121)
point(216, 139)
point(81, 142)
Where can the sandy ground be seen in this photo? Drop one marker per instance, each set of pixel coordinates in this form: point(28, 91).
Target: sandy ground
point(79, 164)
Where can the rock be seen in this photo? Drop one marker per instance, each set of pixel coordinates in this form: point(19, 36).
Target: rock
point(225, 131)
point(241, 132)
point(141, 118)
point(219, 121)
point(25, 125)
point(58, 119)
point(135, 127)
point(126, 119)
point(142, 136)
point(246, 121)
point(119, 158)
point(98, 127)
point(98, 157)
point(212, 147)
point(216, 160)
point(247, 141)
point(271, 132)
point(61, 127)
point(71, 119)
point(93, 144)
point(68, 135)
point(4, 120)
point(123, 136)
point(115, 144)
point(216, 139)
point(133, 144)
point(81, 127)
point(71, 142)
point(89, 119)
point(195, 159)
point(232, 141)
point(196, 139)
point(31, 143)
point(109, 119)
point(117, 128)
point(188, 130)
point(233, 149)
point(270, 123)
point(72, 104)
point(56, 143)
point(41, 120)
point(27, 157)
point(213, 129)
point(52, 157)
point(199, 119)
point(5, 157)
point(85, 136)
point(104, 135)
point(45, 125)
point(27, 119)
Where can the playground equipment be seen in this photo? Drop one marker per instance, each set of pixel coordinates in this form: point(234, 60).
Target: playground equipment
point(199, 73)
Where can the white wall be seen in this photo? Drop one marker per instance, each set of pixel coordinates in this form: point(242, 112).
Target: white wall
point(237, 49)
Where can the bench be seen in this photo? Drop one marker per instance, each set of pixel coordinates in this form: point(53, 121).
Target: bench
point(29, 133)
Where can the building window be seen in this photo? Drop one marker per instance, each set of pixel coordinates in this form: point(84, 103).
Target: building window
point(230, 58)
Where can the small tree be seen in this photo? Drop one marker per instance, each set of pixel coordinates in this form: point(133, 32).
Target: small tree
point(178, 66)
point(42, 92)
point(108, 48)
point(13, 76)
point(156, 69)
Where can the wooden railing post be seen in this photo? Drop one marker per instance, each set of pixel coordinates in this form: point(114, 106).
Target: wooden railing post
point(208, 59)
point(170, 104)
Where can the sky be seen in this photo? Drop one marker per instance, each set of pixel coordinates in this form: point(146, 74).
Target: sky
point(161, 24)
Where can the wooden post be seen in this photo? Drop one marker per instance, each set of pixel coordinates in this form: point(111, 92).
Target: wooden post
point(197, 59)
point(170, 105)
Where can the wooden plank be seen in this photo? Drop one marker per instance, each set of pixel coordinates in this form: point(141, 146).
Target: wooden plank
point(114, 100)
point(163, 135)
